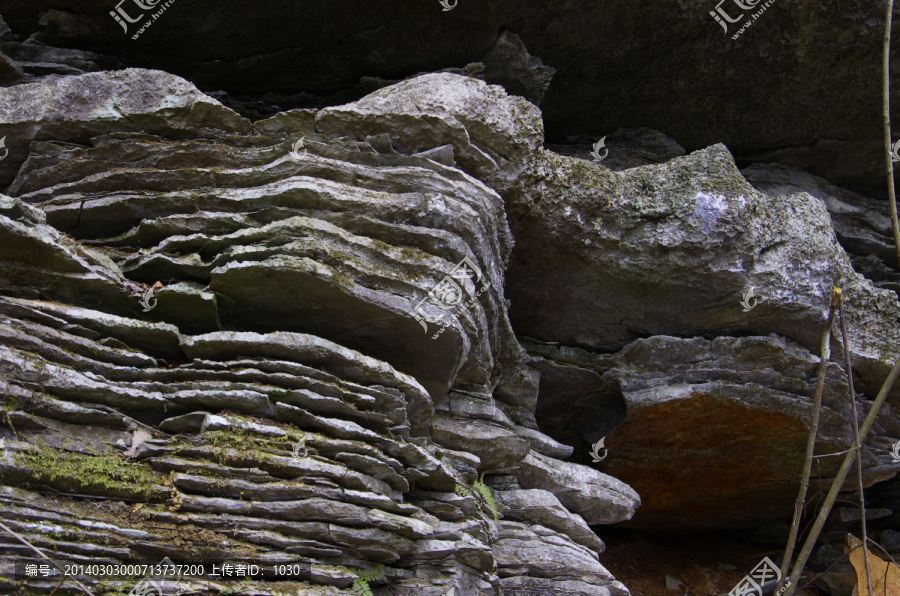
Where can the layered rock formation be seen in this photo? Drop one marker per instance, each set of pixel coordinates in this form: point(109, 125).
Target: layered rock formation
point(766, 94)
point(279, 395)
point(389, 331)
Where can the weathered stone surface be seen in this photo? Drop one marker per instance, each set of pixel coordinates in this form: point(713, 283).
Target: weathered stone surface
point(672, 67)
point(494, 135)
point(672, 248)
point(624, 148)
point(77, 108)
point(597, 497)
point(38, 261)
point(536, 560)
point(275, 393)
point(862, 225)
point(694, 410)
point(543, 508)
point(280, 399)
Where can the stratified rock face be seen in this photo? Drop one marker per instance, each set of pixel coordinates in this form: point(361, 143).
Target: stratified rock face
point(79, 108)
point(329, 366)
point(619, 63)
point(495, 137)
point(290, 339)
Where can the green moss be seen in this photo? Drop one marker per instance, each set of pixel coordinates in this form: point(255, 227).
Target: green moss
point(108, 471)
point(247, 442)
point(278, 395)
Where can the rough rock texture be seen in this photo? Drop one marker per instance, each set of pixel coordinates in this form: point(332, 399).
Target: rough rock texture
point(672, 67)
point(387, 332)
point(672, 248)
point(709, 432)
point(279, 397)
point(863, 226)
point(78, 108)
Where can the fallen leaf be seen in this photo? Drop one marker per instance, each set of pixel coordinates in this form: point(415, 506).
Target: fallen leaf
point(137, 439)
point(884, 576)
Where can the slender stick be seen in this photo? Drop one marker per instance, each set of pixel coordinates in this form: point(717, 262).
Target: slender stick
point(886, 109)
point(31, 546)
point(855, 423)
point(838, 482)
point(800, 503)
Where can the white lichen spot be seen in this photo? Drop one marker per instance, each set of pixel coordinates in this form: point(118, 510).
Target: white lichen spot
point(708, 209)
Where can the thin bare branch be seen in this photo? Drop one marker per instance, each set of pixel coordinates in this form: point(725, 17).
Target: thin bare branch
point(42, 555)
point(856, 445)
point(839, 479)
point(886, 111)
point(800, 503)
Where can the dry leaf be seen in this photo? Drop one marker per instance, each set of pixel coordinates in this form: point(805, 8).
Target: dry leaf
point(885, 577)
point(137, 439)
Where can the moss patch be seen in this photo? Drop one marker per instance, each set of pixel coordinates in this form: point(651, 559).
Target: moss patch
point(85, 471)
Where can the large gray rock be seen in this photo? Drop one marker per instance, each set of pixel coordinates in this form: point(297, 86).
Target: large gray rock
point(77, 108)
point(597, 497)
point(494, 135)
point(543, 508)
point(538, 561)
point(672, 249)
point(862, 225)
point(248, 221)
point(692, 414)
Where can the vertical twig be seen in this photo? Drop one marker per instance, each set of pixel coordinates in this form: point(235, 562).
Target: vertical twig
point(800, 503)
point(838, 482)
point(886, 109)
point(32, 547)
point(856, 445)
